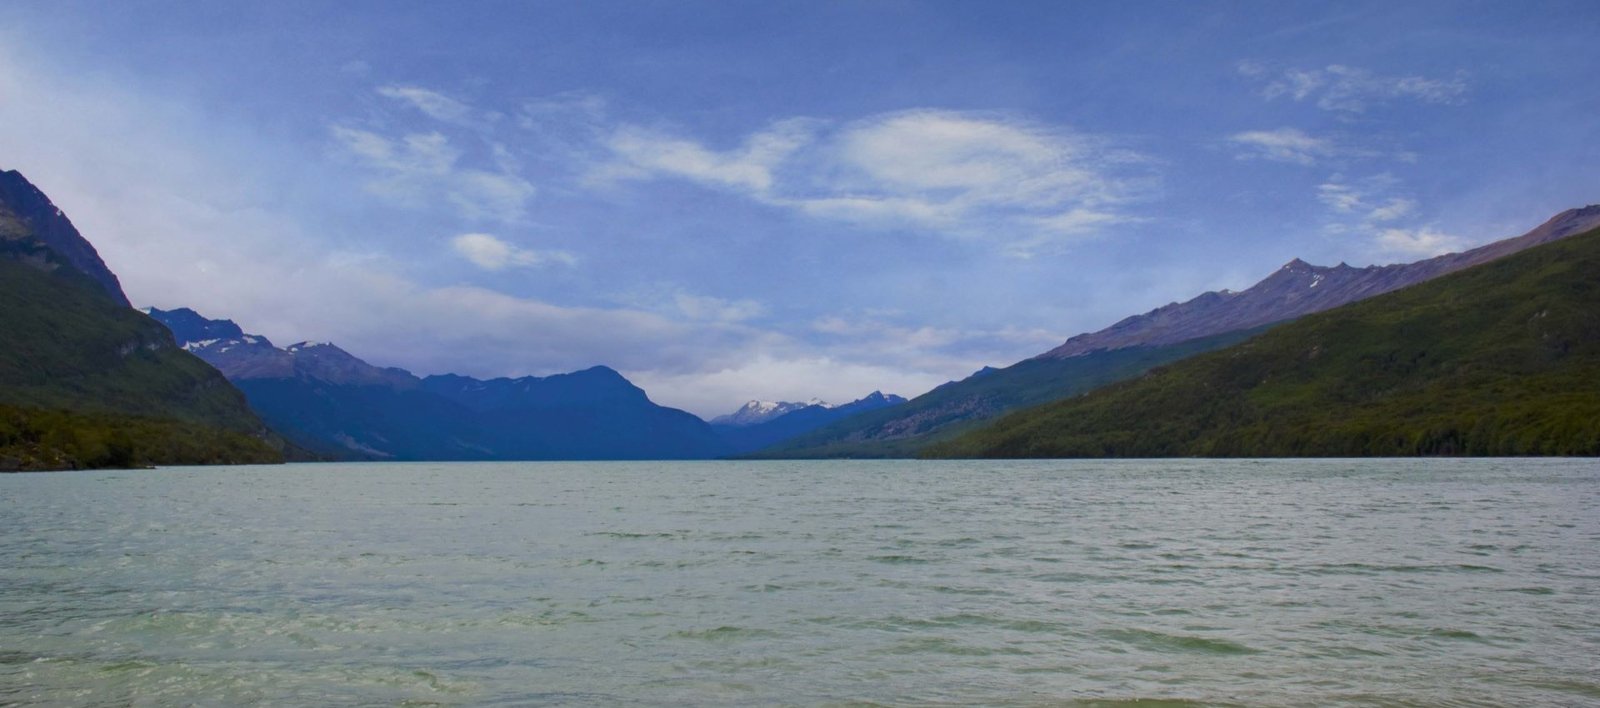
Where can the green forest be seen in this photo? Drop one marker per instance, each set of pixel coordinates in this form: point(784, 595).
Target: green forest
point(1500, 360)
point(86, 382)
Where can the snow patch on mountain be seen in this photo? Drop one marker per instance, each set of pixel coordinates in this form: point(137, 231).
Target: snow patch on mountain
point(756, 412)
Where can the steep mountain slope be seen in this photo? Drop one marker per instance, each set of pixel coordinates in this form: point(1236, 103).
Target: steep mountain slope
point(959, 406)
point(85, 381)
point(1500, 359)
point(29, 214)
point(335, 404)
point(1299, 288)
point(798, 421)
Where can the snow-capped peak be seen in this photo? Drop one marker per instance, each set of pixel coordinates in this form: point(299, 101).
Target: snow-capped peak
point(757, 411)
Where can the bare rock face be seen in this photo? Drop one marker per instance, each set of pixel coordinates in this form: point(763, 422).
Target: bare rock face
point(1299, 288)
point(25, 212)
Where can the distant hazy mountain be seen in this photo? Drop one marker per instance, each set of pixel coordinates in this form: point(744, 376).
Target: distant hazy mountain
point(334, 403)
point(1299, 288)
point(86, 381)
point(798, 421)
point(1135, 345)
point(1500, 359)
point(762, 411)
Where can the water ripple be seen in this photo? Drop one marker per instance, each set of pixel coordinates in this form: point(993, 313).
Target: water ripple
point(1111, 583)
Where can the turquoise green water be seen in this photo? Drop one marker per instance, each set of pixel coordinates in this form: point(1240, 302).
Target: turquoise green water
point(1434, 582)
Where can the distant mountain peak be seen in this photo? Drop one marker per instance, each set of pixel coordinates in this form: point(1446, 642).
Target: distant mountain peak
point(796, 419)
point(756, 411)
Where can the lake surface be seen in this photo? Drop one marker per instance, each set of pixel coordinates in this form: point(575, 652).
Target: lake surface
point(1335, 582)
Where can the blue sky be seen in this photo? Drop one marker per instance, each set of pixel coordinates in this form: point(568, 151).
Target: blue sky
point(737, 200)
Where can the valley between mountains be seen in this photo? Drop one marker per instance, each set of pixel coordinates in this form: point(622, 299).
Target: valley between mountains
point(1492, 351)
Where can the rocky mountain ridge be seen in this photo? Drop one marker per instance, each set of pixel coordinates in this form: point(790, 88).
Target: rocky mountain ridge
point(1299, 288)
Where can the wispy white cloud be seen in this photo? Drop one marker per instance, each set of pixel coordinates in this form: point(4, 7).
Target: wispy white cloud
point(1371, 209)
point(416, 168)
point(1419, 242)
point(414, 155)
point(977, 176)
point(643, 153)
point(562, 109)
point(432, 103)
point(420, 168)
point(492, 253)
point(1394, 208)
point(1281, 145)
point(1351, 90)
point(706, 308)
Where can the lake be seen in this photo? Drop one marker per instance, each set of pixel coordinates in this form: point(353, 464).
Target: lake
point(1253, 582)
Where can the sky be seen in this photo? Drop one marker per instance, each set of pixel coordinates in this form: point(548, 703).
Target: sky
point(738, 200)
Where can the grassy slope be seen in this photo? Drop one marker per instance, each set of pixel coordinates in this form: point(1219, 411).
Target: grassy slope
point(1500, 359)
point(948, 411)
point(79, 372)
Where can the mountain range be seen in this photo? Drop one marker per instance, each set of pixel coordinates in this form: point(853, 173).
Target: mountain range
point(337, 405)
point(1499, 359)
point(1131, 347)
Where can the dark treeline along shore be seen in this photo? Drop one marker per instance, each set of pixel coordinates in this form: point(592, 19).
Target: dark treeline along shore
point(1493, 351)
